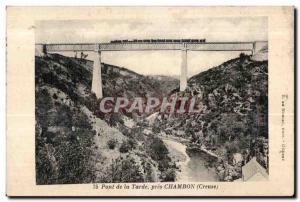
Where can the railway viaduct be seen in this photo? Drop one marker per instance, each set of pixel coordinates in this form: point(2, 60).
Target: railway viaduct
point(184, 47)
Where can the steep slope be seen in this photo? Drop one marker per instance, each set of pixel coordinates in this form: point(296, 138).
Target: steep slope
point(121, 82)
point(64, 134)
point(74, 145)
point(166, 84)
point(77, 144)
point(233, 99)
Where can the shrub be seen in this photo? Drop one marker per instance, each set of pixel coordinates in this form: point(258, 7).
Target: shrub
point(54, 96)
point(169, 175)
point(74, 163)
point(43, 101)
point(231, 148)
point(115, 118)
point(63, 117)
point(127, 145)
point(45, 169)
point(158, 150)
point(112, 143)
point(243, 56)
point(123, 170)
point(156, 129)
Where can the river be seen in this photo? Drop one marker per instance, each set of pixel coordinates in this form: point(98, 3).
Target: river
point(193, 167)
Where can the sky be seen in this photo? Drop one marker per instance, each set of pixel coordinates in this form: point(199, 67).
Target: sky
point(225, 29)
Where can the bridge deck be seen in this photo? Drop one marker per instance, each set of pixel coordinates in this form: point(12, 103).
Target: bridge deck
point(228, 46)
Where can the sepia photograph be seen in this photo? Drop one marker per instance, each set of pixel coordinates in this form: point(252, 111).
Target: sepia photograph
point(183, 101)
point(151, 106)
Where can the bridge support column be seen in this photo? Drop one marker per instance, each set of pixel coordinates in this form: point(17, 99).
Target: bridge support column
point(97, 78)
point(254, 48)
point(183, 74)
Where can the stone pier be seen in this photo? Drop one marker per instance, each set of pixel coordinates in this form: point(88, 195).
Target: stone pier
point(183, 72)
point(97, 78)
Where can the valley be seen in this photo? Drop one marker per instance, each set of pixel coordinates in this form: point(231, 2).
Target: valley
point(76, 142)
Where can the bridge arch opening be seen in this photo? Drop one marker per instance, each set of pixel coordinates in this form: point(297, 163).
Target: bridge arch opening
point(166, 63)
point(161, 67)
